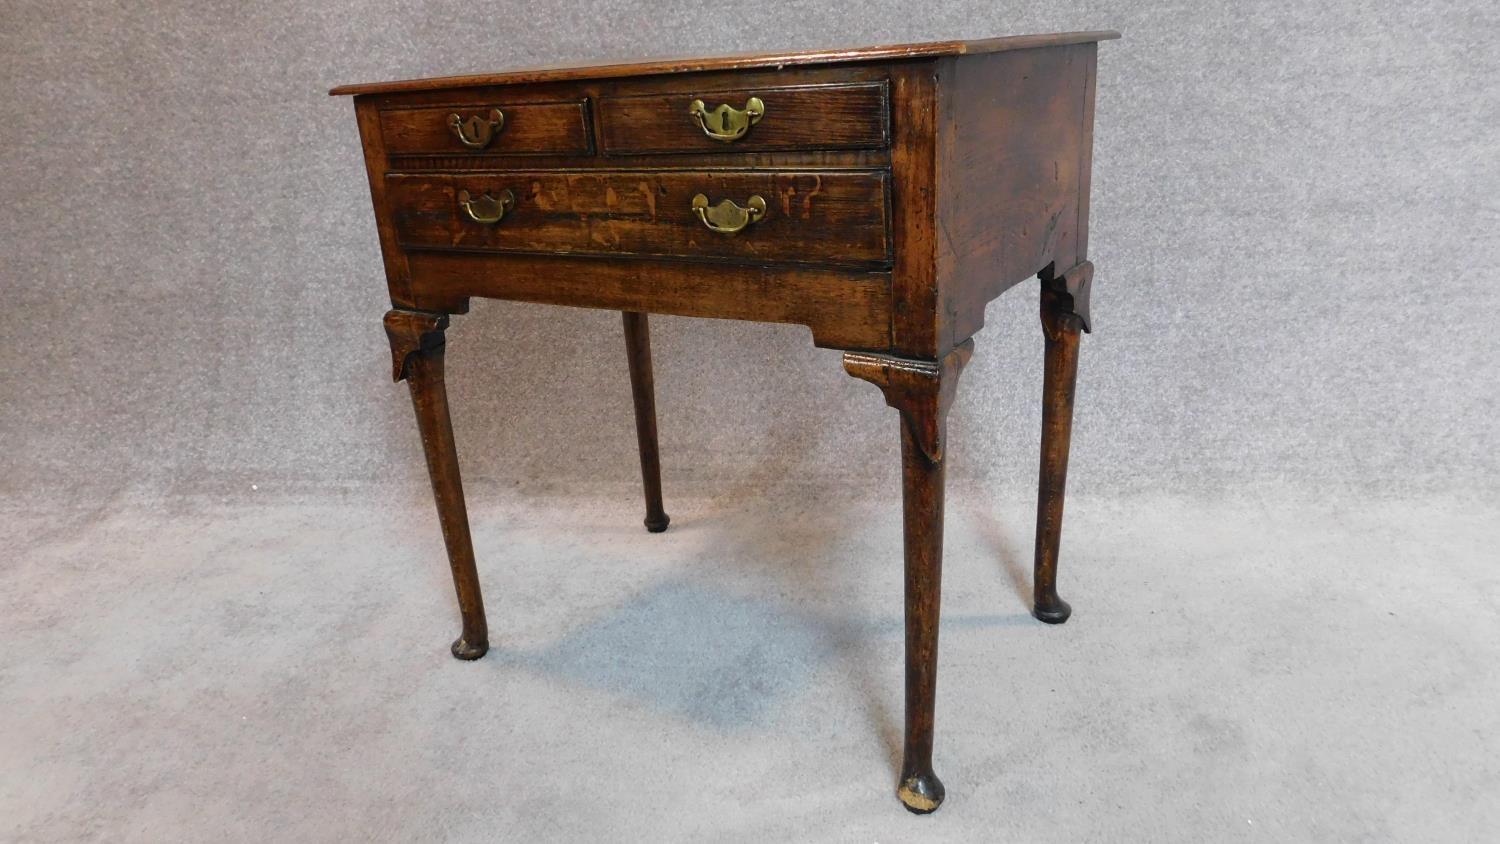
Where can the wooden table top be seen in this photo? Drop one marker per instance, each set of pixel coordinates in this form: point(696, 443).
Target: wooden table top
point(743, 61)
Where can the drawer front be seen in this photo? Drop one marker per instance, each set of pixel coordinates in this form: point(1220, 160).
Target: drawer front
point(841, 116)
point(520, 129)
point(832, 218)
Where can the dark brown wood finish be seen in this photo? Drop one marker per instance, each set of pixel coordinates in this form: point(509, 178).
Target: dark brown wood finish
point(417, 356)
point(1064, 315)
point(643, 391)
point(916, 227)
point(741, 61)
point(528, 128)
point(831, 218)
point(397, 276)
point(790, 160)
point(845, 309)
point(905, 187)
point(839, 116)
point(1010, 165)
point(863, 119)
point(922, 392)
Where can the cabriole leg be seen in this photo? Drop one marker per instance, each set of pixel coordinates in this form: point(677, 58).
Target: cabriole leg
point(1064, 311)
point(922, 392)
point(417, 356)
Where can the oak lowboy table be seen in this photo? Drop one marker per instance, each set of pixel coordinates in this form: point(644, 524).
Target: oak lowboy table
point(879, 196)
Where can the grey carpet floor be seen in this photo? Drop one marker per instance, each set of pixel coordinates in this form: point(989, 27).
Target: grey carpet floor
point(277, 669)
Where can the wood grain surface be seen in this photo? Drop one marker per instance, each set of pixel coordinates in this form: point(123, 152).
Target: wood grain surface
point(742, 61)
point(834, 218)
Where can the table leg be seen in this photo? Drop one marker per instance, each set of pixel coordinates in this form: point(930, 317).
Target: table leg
point(1064, 309)
point(417, 356)
point(643, 390)
point(922, 392)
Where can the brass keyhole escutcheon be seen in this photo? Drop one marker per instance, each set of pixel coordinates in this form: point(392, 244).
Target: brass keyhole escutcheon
point(727, 123)
point(477, 132)
point(727, 217)
point(487, 209)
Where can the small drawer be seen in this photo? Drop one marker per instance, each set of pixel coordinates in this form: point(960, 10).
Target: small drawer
point(816, 117)
point(488, 128)
point(833, 218)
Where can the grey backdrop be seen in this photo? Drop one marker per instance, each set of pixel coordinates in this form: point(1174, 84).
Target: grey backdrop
point(224, 610)
point(1295, 211)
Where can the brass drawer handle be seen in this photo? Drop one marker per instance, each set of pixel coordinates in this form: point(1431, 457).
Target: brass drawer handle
point(476, 132)
point(487, 209)
point(726, 217)
point(727, 123)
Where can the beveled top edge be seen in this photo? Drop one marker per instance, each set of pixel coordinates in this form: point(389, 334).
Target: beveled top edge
point(650, 67)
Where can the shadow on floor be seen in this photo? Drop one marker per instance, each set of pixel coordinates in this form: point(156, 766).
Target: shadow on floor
point(722, 660)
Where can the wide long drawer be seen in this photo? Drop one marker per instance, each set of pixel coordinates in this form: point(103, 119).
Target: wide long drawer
point(833, 218)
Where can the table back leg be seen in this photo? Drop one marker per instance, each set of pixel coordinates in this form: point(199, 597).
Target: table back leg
point(922, 391)
point(1064, 310)
point(643, 390)
point(417, 356)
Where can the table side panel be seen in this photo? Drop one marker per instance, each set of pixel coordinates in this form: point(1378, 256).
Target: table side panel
point(1013, 161)
point(398, 277)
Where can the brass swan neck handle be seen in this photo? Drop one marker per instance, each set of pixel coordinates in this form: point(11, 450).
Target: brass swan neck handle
point(477, 132)
point(726, 123)
point(726, 217)
point(487, 209)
